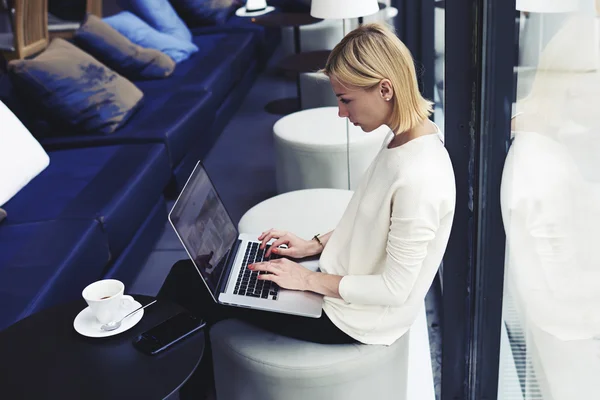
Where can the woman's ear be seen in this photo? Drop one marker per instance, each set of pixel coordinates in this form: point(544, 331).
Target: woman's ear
point(386, 90)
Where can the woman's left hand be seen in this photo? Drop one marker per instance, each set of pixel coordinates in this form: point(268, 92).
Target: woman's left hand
point(284, 272)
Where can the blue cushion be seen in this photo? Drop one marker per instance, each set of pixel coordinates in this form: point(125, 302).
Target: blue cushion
point(116, 185)
point(160, 15)
point(119, 53)
point(74, 89)
point(267, 38)
point(220, 64)
point(47, 262)
point(190, 113)
point(206, 12)
point(139, 32)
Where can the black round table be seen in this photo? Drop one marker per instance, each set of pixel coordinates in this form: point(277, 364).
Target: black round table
point(309, 61)
point(43, 357)
point(280, 20)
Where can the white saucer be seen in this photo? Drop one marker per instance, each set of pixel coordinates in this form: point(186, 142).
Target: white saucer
point(87, 325)
point(242, 12)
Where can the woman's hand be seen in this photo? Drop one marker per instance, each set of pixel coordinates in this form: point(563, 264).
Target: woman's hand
point(284, 272)
point(296, 247)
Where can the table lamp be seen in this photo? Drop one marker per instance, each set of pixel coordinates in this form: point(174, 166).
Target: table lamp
point(344, 9)
point(547, 18)
point(547, 6)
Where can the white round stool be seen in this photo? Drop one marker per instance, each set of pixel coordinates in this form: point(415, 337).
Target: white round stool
point(250, 363)
point(315, 91)
point(303, 212)
point(311, 150)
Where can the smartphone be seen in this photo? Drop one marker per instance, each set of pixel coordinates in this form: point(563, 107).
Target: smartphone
point(167, 333)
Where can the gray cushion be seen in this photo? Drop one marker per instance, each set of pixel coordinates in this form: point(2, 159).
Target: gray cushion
point(75, 89)
point(118, 52)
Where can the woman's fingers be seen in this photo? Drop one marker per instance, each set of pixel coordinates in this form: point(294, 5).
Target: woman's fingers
point(269, 267)
point(262, 235)
point(268, 235)
point(275, 246)
point(266, 239)
point(283, 251)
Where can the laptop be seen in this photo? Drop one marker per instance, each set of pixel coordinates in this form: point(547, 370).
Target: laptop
point(221, 254)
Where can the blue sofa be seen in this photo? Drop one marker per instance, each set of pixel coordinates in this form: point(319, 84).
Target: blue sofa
point(99, 207)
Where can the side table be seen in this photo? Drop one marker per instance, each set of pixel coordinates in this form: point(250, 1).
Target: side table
point(280, 20)
point(43, 357)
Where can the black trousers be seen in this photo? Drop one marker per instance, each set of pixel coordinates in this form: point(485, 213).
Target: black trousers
point(185, 287)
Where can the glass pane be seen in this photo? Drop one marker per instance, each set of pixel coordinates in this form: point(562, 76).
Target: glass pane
point(550, 347)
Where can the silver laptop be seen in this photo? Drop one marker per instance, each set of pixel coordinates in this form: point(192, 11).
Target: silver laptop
point(221, 254)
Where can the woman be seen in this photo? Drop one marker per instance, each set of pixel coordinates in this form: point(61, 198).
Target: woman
point(378, 264)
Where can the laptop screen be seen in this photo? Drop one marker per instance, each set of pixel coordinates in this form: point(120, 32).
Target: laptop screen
point(204, 227)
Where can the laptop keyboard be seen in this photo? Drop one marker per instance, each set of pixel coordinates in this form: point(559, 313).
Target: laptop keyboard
point(247, 283)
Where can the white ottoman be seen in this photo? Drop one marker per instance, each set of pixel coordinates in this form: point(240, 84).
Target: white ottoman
point(310, 150)
point(252, 364)
point(303, 212)
point(315, 91)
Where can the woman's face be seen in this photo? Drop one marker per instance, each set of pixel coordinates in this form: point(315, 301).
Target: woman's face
point(368, 109)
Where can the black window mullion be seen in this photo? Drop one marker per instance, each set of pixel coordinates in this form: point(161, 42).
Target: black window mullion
point(461, 120)
point(498, 55)
point(480, 54)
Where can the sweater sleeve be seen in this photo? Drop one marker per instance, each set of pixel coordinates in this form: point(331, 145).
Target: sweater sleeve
point(415, 218)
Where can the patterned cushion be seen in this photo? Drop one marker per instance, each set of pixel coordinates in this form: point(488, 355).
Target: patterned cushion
point(139, 32)
point(206, 12)
point(75, 89)
point(116, 51)
point(160, 15)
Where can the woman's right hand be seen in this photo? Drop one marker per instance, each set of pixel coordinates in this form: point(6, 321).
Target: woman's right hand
point(296, 247)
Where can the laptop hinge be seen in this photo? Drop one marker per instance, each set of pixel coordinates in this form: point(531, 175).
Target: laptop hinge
point(228, 266)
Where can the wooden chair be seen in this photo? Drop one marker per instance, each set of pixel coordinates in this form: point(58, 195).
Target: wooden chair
point(29, 22)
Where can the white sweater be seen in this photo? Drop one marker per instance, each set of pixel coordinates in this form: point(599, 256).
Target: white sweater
point(391, 240)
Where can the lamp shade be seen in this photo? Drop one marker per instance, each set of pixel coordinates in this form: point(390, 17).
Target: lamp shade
point(548, 6)
point(256, 5)
point(343, 9)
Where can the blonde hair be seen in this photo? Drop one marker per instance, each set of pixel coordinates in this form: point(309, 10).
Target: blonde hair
point(371, 53)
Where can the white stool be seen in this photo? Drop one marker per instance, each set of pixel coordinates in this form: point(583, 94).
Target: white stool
point(315, 91)
point(303, 212)
point(311, 150)
point(250, 363)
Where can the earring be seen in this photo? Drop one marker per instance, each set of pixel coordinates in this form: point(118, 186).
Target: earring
point(388, 99)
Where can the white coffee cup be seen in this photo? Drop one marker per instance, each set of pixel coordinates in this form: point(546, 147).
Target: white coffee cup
point(106, 299)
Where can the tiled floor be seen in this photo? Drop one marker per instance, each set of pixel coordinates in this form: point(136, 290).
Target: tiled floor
point(242, 167)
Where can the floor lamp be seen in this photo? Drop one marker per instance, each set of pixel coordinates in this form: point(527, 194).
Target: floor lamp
point(344, 9)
